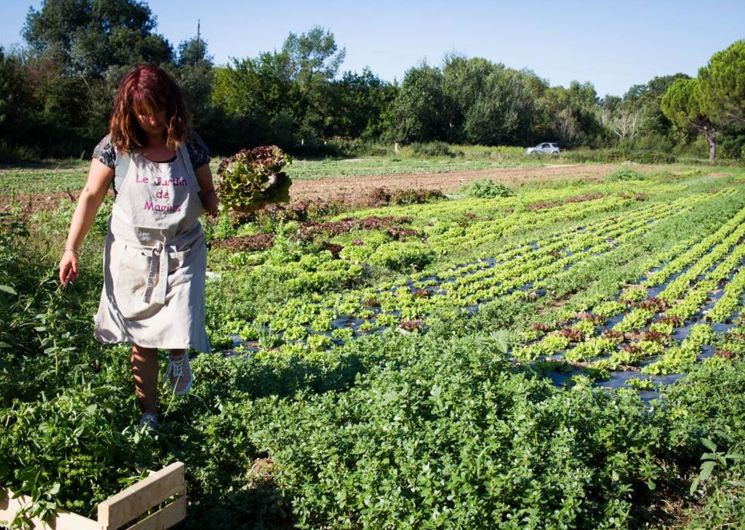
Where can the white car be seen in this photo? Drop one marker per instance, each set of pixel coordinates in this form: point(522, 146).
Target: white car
point(546, 148)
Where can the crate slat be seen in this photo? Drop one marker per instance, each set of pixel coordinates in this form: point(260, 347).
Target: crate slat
point(164, 518)
point(130, 503)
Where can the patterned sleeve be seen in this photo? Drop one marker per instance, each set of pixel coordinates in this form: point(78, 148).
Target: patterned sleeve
point(105, 153)
point(198, 151)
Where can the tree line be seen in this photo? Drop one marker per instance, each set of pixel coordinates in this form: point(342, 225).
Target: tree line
point(56, 93)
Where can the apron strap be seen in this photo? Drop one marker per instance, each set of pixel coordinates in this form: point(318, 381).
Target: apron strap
point(157, 278)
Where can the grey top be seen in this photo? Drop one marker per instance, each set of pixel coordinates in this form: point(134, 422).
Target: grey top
point(105, 152)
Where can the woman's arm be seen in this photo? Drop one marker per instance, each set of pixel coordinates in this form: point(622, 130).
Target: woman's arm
point(207, 195)
point(99, 180)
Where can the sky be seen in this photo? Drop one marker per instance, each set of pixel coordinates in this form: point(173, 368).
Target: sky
point(614, 45)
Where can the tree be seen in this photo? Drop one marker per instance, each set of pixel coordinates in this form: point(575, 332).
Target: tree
point(314, 59)
point(193, 52)
point(638, 118)
point(625, 122)
point(360, 100)
point(314, 56)
point(89, 36)
point(194, 74)
point(683, 105)
point(653, 120)
point(570, 115)
point(259, 91)
point(419, 113)
point(722, 86)
point(14, 98)
point(463, 84)
point(502, 112)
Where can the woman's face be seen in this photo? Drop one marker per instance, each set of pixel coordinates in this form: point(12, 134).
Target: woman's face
point(152, 123)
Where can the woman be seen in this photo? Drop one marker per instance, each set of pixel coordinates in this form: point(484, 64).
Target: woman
point(155, 255)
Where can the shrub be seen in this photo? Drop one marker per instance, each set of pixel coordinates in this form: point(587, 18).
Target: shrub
point(432, 149)
point(486, 189)
point(616, 154)
point(384, 196)
point(624, 174)
point(412, 196)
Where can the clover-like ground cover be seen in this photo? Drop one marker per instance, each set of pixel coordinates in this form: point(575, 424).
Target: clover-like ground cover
point(570, 356)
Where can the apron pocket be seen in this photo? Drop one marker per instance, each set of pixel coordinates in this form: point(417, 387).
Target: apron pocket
point(130, 269)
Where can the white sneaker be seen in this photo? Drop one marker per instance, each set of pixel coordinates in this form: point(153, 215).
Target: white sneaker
point(178, 374)
point(149, 420)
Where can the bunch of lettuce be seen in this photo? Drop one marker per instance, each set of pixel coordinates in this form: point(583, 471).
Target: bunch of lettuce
point(253, 178)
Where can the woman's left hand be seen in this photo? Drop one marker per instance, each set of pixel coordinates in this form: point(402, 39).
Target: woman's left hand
point(210, 202)
point(207, 194)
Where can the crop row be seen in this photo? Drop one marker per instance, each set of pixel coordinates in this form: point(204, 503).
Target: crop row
point(569, 240)
point(632, 339)
point(367, 310)
point(402, 303)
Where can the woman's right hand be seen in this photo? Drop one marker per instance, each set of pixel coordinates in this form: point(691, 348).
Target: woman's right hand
point(99, 180)
point(68, 267)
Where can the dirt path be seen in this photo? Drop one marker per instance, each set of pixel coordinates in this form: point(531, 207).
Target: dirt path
point(354, 190)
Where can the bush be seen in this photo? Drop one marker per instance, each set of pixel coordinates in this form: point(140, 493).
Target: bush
point(619, 155)
point(486, 189)
point(384, 196)
point(624, 174)
point(652, 157)
point(732, 146)
point(412, 196)
point(358, 147)
point(432, 149)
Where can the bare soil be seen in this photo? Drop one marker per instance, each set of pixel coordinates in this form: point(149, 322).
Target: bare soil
point(356, 190)
point(34, 202)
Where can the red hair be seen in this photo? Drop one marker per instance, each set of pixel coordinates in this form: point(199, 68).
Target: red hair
point(148, 89)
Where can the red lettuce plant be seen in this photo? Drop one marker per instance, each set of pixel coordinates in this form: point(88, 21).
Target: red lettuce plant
point(252, 178)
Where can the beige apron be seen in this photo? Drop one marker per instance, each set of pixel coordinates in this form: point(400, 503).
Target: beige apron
point(155, 258)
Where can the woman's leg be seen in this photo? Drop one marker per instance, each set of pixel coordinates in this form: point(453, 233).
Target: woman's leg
point(145, 371)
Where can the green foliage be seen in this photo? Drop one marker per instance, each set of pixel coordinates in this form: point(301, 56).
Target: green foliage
point(253, 177)
point(624, 174)
point(432, 149)
point(683, 106)
point(435, 428)
point(619, 154)
point(89, 36)
point(420, 110)
point(443, 423)
point(723, 86)
point(400, 256)
point(360, 100)
point(13, 97)
point(502, 111)
point(486, 189)
point(313, 55)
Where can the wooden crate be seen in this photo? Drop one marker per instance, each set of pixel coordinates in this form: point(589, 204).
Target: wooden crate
point(124, 510)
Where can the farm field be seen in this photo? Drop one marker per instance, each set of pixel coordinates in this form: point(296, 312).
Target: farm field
point(551, 348)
